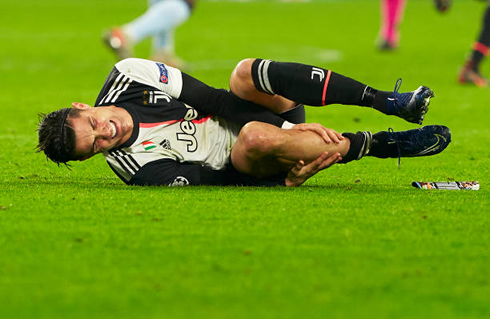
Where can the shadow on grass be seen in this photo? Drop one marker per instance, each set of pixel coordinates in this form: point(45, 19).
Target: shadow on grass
point(34, 180)
point(105, 183)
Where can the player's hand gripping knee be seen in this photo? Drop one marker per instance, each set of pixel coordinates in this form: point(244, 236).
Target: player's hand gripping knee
point(300, 172)
point(327, 134)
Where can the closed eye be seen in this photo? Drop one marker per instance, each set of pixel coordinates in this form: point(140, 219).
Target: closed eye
point(92, 124)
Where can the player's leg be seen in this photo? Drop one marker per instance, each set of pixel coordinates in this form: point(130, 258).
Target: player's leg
point(391, 16)
point(470, 73)
point(242, 85)
point(163, 50)
point(161, 17)
point(280, 86)
point(264, 150)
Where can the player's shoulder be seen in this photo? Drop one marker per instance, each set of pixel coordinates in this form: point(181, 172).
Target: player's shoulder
point(132, 65)
point(153, 73)
point(131, 61)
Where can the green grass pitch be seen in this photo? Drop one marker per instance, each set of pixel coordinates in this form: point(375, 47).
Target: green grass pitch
point(356, 241)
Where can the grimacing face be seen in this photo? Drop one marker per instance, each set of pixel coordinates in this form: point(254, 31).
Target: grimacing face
point(99, 129)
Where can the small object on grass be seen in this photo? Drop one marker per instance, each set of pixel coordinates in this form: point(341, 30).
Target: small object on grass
point(469, 185)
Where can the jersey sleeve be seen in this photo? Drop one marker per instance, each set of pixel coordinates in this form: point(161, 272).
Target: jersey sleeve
point(197, 94)
point(167, 172)
point(158, 75)
point(171, 173)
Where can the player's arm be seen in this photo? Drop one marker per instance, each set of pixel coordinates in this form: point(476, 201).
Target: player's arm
point(195, 93)
point(167, 172)
point(225, 104)
point(172, 173)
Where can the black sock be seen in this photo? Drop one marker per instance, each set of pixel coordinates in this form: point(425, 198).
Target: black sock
point(484, 37)
point(476, 58)
point(376, 146)
point(357, 144)
point(380, 101)
point(305, 84)
point(314, 86)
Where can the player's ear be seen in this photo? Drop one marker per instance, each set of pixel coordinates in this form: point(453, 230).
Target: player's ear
point(80, 106)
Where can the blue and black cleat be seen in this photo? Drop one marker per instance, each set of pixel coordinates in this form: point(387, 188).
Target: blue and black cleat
point(411, 106)
point(424, 141)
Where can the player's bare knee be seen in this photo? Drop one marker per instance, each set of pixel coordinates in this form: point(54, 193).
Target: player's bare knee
point(241, 78)
point(243, 69)
point(253, 140)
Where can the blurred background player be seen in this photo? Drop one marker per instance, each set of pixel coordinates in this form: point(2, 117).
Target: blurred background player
point(391, 17)
point(470, 73)
point(159, 22)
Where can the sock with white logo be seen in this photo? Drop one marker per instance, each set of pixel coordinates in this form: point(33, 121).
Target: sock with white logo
point(314, 86)
point(360, 144)
point(305, 84)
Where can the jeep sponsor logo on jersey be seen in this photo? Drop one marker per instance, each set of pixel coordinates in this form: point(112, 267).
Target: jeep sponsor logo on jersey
point(163, 72)
point(188, 129)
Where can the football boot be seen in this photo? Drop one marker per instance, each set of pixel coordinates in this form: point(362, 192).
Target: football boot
point(469, 75)
point(411, 106)
point(424, 141)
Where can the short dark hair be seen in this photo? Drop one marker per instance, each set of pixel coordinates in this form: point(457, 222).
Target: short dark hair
point(56, 137)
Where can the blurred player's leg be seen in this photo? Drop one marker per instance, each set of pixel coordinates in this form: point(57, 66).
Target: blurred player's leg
point(470, 73)
point(161, 18)
point(391, 17)
point(118, 43)
point(277, 84)
point(163, 50)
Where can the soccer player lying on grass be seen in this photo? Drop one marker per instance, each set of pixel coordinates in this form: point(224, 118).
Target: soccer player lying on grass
point(158, 126)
